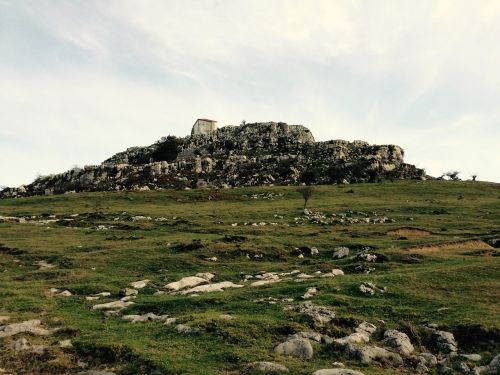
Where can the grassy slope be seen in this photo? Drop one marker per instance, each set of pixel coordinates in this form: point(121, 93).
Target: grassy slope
point(465, 283)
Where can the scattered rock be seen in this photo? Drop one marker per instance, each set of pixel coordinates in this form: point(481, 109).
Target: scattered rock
point(265, 282)
point(65, 344)
point(370, 354)
point(367, 288)
point(29, 326)
point(115, 305)
point(333, 273)
point(320, 315)
point(127, 292)
point(493, 368)
point(472, 357)
point(268, 367)
point(311, 292)
point(182, 328)
point(314, 336)
point(399, 341)
point(140, 284)
point(22, 344)
point(428, 359)
point(208, 288)
point(340, 252)
point(445, 341)
point(360, 336)
point(149, 317)
point(367, 257)
point(301, 348)
point(186, 282)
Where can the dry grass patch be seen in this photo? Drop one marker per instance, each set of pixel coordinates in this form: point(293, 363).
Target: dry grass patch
point(409, 232)
point(451, 247)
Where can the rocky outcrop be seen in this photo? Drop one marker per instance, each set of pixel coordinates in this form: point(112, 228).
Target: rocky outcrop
point(245, 155)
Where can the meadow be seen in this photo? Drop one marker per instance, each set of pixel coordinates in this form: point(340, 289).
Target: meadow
point(430, 239)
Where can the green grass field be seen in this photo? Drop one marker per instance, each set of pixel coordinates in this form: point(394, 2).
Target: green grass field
point(453, 282)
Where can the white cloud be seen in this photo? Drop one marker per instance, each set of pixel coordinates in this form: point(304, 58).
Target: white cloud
point(84, 79)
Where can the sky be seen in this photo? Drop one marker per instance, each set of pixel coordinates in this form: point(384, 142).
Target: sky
point(83, 79)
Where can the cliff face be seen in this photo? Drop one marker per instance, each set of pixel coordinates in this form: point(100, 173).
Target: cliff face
point(246, 155)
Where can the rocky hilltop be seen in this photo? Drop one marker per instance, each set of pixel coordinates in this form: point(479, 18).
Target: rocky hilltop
point(245, 155)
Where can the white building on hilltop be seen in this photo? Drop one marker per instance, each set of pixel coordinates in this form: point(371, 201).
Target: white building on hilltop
point(204, 126)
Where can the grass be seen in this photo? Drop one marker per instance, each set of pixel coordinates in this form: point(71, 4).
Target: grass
point(456, 287)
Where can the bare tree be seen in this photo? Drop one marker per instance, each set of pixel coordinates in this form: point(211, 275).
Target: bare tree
point(306, 192)
point(453, 175)
point(474, 176)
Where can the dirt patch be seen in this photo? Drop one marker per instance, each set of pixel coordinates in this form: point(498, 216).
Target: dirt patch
point(451, 247)
point(409, 232)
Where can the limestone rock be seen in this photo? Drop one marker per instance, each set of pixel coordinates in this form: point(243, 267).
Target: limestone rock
point(369, 354)
point(310, 292)
point(140, 284)
point(246, 155)
point(22, 344)
point(115, 305)
point(186, 282)
point(29, 326)
point(399, 341)
point(340, 252)
point(65, 344)
point(445, 341)
point(127, 292)
point(301, 348)
point(209, 288)
point(149, 317)
point(320, 315)
point(182, 328)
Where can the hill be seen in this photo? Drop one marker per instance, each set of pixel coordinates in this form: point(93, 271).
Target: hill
point(248, 155)
point(259, 277)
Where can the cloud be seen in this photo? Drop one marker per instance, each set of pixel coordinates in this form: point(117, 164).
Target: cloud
point(84, 79)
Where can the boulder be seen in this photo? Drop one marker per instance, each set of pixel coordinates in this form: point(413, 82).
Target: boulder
point(370, 354)
point(367, 288)
point(115, 305)
point(398, 341)
point(445, 341)
point(29, 326)
point(208, 288)
point(182, 328)
point(310, 292)
point(340, 252)
point(320, 315)
point(186, 282)
point(428, 359)
point(140, 284)
point(149, 317)
point(314, 336)
point(300, 348)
